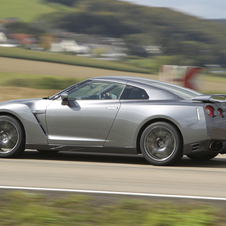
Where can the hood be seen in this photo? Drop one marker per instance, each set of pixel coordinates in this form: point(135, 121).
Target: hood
point(20, 101)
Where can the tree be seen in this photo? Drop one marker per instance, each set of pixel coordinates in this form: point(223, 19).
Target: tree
point(63, 2)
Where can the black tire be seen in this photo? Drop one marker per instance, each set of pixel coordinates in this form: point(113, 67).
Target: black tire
point(202, 156)
point(12, 137)
point(161, 144)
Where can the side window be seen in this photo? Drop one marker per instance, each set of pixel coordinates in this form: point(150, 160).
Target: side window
point(96, 90)
point(134, 93)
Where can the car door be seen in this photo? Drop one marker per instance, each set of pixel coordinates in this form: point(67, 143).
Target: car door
point(87, 118)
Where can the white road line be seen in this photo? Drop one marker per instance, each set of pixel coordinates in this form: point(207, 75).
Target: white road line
point(115, 193)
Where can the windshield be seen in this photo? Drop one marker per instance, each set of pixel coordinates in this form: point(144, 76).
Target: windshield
point(67, 89)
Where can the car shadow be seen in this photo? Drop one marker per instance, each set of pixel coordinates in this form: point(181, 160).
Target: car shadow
point(85, 157)
point(217, 162)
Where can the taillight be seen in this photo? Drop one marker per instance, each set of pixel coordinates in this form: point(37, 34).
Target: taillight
point(210, 111)
point(220, 112)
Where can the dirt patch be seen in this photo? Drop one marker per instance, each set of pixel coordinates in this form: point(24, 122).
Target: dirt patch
point(44, 68)
point(11, 93)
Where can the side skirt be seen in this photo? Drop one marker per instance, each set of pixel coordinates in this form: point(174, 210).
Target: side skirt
point(112, 150)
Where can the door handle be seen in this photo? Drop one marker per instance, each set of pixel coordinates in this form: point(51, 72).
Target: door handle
point(39, 111)
point(112, 108)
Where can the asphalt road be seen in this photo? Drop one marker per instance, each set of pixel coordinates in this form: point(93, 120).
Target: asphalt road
point(115, 173)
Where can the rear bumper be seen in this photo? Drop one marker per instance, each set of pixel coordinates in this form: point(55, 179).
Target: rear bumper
point(213, 145)
point(218, 133)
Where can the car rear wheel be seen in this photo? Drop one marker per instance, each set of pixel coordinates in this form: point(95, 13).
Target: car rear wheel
point(160, 144)
point(12, 138)
point(202, 156)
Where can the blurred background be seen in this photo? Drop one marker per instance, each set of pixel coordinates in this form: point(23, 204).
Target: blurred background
point(51, 44)
point(48, 45)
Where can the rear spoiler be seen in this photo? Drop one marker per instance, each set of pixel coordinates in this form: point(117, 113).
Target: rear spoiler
point(209, 98)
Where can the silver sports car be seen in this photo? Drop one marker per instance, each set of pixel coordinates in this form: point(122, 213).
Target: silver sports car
point(118, 115)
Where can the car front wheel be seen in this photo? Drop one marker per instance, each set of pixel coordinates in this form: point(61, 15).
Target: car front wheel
point(12, 138)
point(161, 144)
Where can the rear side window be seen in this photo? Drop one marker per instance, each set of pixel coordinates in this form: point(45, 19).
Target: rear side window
point(134, 93)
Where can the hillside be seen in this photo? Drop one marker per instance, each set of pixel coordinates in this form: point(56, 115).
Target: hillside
point(220, 21)
point(67, 59)
point(28, 10)
point(186, 40)
point(195, 41)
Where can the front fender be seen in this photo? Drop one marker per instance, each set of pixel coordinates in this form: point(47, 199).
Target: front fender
point(33, 132)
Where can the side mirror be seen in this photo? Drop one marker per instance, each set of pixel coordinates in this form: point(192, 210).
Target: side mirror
point(64, 97)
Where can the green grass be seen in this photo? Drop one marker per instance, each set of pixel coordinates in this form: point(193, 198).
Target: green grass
point(212, 78)
point(67, 59)
point(55, 82)
point(19, 208)
point(141, 62)
point(150, 64)
point(59, 82)
point(27, 10)
point(37, 81)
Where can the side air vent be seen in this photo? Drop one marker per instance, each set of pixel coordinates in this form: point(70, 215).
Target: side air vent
point(195, 146)
point(40, 124)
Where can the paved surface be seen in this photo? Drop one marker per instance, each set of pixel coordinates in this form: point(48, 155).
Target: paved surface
point(114, 173)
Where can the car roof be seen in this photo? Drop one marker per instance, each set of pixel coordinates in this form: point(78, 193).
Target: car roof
point(127, 79)
point(152, 84)
point(155, 89)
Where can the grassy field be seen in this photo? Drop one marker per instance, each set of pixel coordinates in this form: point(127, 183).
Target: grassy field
point(22, 86)
point(67, 59)
point(37, 81)
point(19, 208)
point(54, 76)
point(12, 93)
point(212, 78)
point(19, 66)
point(27, 10)
point(45, 63)
point(141, 62)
